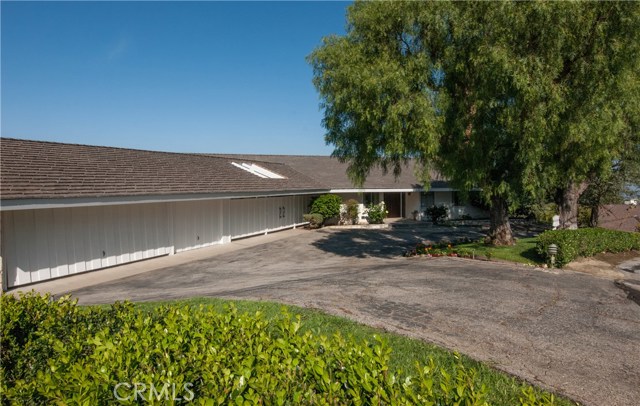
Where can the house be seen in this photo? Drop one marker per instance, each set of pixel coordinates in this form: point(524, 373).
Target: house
point(402, 196)
point(67, 208)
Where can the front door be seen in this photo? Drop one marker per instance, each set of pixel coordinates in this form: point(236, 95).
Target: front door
point(392, 201)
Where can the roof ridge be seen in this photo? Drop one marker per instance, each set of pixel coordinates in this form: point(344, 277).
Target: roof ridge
point(215, 155)
point(274, 155)
point(84, 145)
point(197, 154)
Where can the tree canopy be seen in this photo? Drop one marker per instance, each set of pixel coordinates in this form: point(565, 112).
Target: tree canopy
point(516, 98)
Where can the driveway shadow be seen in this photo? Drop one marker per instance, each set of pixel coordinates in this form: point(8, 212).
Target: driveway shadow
point(366, 243)
point(390, 243)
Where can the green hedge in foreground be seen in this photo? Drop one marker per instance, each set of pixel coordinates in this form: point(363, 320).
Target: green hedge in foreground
point(586, 242)
point(54, 352)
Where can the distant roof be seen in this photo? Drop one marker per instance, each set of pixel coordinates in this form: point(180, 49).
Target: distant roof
point(46, 170)
point(624, 217)
point(333, 174)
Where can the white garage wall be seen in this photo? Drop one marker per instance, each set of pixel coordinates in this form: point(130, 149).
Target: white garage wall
point(197, 224)
point(261, 215)
point(49, 243)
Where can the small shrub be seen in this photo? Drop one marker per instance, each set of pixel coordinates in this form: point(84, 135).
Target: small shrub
point(376, 213)
point(585, 242)
point(351, 212)
point(315, 220)
point(438, 213)
point(326, 205)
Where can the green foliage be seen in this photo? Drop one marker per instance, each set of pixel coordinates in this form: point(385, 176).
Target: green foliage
point(55, 352)
point(523, 251)
point(327, 205)
point(585, 242)
point(543, 213)
point(584, 216)
point(352, 208)
point(438, 213)
point(515, 98)
point(376, 213)
point(315, 220)
point(440, 250)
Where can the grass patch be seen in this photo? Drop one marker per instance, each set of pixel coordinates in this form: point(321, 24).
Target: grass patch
point(504, 389)
point(524, 251)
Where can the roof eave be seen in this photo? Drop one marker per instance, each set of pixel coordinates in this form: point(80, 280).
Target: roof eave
point(53, 203)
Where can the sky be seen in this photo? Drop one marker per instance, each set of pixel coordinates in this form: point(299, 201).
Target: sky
point(221, 77)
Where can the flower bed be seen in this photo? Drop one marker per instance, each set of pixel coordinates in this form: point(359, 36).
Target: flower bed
point(443, 249)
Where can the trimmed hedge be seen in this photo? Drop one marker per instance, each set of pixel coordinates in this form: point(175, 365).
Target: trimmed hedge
point(586, 242)
point(55, 352)
point(327, 205)
point(315, 220)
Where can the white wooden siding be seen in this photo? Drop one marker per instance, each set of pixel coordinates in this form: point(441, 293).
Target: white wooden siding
point(253, 216)
point(48, 243)
point(42, 244)
point(197, 224)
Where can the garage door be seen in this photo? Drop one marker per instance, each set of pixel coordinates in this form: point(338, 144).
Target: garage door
point(48, 243)
point(197, 224)
point(260, 215)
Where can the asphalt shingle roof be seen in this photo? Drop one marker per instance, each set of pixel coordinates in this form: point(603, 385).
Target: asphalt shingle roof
point(43, 170)
point(333, 173)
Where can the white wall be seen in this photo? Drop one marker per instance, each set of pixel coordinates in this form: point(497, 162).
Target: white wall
point(42, 244)
point(443, 198)
point(197, 224)
point(48, 243)
point(412, 203)
point(253, 216)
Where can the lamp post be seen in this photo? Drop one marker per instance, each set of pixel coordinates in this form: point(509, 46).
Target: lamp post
point(552, 250)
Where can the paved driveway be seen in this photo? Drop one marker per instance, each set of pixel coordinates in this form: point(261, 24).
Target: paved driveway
point(571, 333)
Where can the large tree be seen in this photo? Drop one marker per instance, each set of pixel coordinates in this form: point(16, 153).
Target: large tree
point(486, 92)
point(595, 137)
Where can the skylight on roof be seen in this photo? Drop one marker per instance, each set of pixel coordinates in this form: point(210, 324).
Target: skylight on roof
point(258, 170)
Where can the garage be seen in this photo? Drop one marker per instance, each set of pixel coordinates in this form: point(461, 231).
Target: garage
point(197, 224)
point(262, 215)
point(49, 243)
point(68, 209)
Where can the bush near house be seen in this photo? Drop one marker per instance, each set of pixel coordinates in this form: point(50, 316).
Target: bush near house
point(351, 213)
point(55, 352)
point(326, 205)
point(315, 220)
point(586, 242)
point(376, 213)
point(438, 213)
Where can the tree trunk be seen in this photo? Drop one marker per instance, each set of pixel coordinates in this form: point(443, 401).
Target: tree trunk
point(568, 205)
point(595, 216)
point(500, 229)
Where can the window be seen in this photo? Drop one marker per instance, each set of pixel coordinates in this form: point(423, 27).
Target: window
point(258, 170)
point(427, 199)
point(456, 199)
point(371, 198)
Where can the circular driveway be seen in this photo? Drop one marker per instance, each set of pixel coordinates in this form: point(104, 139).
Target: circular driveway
point(571, 333)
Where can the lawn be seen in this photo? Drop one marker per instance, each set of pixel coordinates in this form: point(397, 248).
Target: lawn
point(504, 389)
point(524, 251)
